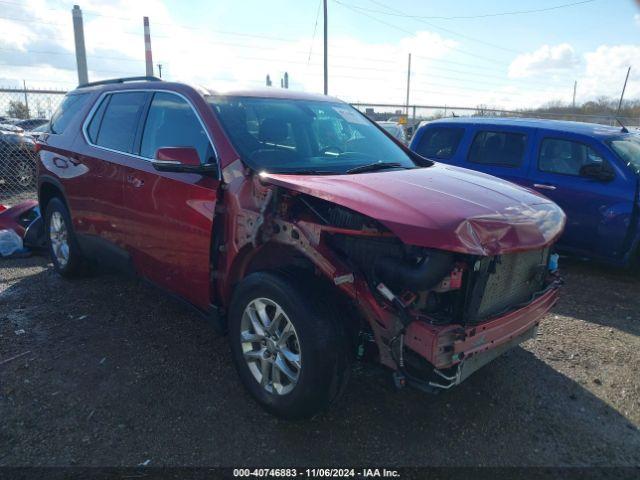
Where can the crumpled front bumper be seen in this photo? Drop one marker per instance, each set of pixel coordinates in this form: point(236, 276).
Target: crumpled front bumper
point(448, 346)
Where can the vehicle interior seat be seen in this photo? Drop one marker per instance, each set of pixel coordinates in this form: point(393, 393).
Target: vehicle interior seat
point(492, 151)
point(513, 150)
point(553, 159)
point(237, 127)
point(273, 130)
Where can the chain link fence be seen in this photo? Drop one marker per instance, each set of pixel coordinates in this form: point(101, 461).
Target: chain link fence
point(24, 115)
point(413, 115)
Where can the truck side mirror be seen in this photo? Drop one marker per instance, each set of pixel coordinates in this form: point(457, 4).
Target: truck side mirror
point(597, 171)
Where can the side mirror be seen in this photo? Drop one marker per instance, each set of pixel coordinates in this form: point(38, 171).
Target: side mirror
point(597, 171)
point(181, 160)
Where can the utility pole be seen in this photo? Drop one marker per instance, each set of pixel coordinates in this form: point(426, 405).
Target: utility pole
point(575, 86)
point(160, 69)
point(623, 89)
point(81, 53)
point(326, 53)
point(147, 47)
point(26, 100)
point(408, 84)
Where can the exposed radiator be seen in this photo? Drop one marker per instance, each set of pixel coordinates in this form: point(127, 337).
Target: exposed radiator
point(506, 282)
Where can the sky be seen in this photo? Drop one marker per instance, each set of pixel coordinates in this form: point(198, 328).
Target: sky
point(496, 53)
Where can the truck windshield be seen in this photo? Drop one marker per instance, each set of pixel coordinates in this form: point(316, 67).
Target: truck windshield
point(300, 136)
point(628, 149)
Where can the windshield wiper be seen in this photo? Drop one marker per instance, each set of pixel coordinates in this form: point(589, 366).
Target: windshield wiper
point(372, 167)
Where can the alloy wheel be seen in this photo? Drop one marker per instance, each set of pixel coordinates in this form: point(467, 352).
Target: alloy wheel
point(24, 175)
point(59, 237)
point(270, 346)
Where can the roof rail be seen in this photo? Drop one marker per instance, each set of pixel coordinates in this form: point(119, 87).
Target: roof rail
point(121, 80)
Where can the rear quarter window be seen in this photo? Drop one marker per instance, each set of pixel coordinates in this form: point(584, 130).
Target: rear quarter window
point(440, 142)
point(66, 112)
point(504, 149)
point(96, 120)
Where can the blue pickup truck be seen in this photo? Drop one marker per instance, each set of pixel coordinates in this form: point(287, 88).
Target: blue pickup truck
point(591, 171)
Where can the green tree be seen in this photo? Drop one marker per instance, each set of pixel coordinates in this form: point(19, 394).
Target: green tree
point(17, 109)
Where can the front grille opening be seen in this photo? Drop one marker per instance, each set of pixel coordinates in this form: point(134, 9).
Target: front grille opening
point(500, 284)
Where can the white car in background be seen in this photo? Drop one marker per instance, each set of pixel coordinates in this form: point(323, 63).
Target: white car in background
point(395, 129)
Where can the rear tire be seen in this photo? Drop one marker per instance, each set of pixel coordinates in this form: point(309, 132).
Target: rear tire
point(288, 346)
point(63, 247)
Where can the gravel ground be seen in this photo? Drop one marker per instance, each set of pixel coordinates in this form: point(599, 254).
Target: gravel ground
point(113, 373)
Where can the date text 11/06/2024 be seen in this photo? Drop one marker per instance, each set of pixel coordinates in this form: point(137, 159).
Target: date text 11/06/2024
point(316, 472)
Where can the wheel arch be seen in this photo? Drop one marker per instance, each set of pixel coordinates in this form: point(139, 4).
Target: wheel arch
point(48, 188)
point(284, 259)
point(270, 256)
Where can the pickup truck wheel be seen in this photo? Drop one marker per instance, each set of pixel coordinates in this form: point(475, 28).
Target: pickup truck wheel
point(63, 246)
point(288, 347)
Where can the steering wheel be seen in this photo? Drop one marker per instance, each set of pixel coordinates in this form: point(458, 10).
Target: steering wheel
point(331, 148)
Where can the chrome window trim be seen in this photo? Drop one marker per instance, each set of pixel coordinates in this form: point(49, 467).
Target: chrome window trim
point(99, 100)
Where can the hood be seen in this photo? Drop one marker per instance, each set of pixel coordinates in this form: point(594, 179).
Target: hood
point(442, 207)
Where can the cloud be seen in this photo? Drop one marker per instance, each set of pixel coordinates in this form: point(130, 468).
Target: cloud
point(605, 71)
point(42, 52)
point(222, 60)
point(545, 60)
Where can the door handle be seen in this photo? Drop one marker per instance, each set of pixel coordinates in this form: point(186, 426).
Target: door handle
point(543, 186)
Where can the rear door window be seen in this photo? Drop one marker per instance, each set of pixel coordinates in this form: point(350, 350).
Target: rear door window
point(440, 142)
point(504, 149)
point(171, 122)
point(70, 106)
point(117, 130)
point(566, 157)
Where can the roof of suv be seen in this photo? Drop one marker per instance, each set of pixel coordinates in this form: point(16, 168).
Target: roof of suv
point(279, 93)
point(591, 129)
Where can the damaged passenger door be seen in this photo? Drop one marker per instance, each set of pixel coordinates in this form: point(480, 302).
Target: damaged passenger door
point(171, 213)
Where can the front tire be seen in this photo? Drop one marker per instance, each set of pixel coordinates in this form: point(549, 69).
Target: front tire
point(63, 246)
point(287, 344)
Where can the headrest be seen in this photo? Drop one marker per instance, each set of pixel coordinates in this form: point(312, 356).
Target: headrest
point(273, 130)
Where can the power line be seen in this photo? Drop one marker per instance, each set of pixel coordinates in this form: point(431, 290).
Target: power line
point(32, 21)
point(43, 52)
point(376, 60)
point(188, 27)
point(485, 15)
point(337, 66)
point(254, 47)
point(487, 59)
point(447, 30)
point(315, 28)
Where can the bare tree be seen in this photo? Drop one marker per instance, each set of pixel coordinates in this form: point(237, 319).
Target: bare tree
point(17, 109)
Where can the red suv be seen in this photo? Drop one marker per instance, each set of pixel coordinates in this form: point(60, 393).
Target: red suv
point(300, 227)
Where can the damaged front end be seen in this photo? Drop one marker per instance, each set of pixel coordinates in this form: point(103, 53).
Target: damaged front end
point(432, 315)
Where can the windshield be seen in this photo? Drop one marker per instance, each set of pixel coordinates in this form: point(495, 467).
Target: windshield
point(628, 149)
point(301, 136)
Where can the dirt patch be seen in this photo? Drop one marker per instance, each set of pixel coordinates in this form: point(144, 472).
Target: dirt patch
point(112, 373)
